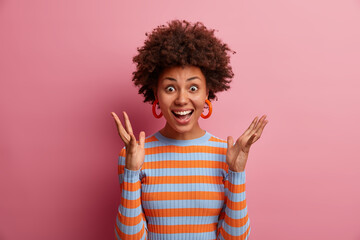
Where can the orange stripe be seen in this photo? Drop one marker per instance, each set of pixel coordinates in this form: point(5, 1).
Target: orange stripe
point(222, 215)
point(122, 152)
point(213, 139)
point(121, 169)
point(181, 212)
point(130, 203)
point(185, 149)
point(197, 228)
point(132, 187)
point(236, 222)
point(235, 188)
point(182, 179)
point(235, 205)
point(132, 236)
point(151, 139)
point(185, 164)
point(158, 196)
point(129, 221)
point(230, 237)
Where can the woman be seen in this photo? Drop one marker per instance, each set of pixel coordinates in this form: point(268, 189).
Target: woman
point(182, 182)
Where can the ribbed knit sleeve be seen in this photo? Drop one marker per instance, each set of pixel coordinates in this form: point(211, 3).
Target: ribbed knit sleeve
point(234, 222)
point(130, 219)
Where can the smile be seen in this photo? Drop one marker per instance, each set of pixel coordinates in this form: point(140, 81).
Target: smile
point(183, 117)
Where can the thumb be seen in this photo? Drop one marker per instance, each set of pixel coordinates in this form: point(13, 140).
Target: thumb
point(230, 141)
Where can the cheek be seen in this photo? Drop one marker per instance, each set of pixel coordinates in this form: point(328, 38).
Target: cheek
point(200, 100)
point(164, 103)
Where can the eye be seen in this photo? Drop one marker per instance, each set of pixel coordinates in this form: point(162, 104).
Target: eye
point(193, 88)
point(170, 89)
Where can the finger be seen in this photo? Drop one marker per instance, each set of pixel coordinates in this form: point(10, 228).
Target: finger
point(122, 132)
point(261, 120)
point(127, 123)
point(251, 127)
point(142, 139)
point(250, 140)
point(230, 141)
point(260, 130)
point(253, 123)
point(133, 142)
point(260, 123)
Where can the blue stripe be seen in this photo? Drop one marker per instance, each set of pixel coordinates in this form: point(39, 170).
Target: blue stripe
point(215, 172)
point(237, 178)
point(121, 160)
point(129, 195)
point(129, 212)
point(235, 197)
point(185, 157)
point(129, 229)
point(188, 187)
point(182, 236)
point(118, 237)
point(235, 231)
point(208, 143)
point(247, 237)
point(198, 141)
point(182, 204)
point(131, 176)
point(236, 214)
point(182, 220)
point(121, 178)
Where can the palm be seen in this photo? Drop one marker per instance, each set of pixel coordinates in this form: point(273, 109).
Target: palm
point(237, 154)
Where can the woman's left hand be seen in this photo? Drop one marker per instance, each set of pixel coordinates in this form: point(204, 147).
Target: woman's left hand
point(237, 154)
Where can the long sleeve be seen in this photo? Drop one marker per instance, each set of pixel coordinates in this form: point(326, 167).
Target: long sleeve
point(234, 222)
point(130, 220)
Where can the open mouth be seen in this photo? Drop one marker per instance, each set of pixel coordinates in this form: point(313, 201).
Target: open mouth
point(183, 115)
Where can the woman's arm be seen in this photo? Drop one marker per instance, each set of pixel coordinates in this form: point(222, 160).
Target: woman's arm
point(130, 219)
point(234, 222)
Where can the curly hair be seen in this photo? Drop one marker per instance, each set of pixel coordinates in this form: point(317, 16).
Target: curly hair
point(182, 43)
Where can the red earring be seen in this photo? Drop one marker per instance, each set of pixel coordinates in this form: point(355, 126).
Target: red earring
point(210, 110)
point(154, 109)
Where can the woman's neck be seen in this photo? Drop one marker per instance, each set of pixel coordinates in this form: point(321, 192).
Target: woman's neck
point(169, 132)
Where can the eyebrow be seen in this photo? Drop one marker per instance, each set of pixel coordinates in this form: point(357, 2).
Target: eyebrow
point(189, 79)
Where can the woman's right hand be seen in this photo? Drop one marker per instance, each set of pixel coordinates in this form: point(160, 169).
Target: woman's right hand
point(135, 152)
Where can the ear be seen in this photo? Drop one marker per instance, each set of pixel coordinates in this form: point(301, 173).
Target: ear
point(155, 92)
point(207, 93)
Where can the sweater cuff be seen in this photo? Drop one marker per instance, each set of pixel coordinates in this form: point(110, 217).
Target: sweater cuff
point(237, 178)
point(131, 176)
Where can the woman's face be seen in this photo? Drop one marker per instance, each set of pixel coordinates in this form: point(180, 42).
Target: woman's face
point(182, 92)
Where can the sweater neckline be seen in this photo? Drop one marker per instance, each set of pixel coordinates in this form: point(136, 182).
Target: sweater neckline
point(189, 142)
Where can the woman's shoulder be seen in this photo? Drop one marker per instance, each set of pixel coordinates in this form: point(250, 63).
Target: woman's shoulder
point(158, 137)
point(216, 139)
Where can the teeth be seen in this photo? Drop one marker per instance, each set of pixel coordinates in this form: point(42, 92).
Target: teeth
point(183, 112)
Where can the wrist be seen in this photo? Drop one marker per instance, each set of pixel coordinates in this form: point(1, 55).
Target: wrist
point(131, 168)
point(237, 169)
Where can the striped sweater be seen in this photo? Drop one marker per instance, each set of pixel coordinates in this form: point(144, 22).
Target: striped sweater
point(184, 190)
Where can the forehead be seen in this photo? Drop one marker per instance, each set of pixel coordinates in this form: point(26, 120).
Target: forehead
point(181, 73)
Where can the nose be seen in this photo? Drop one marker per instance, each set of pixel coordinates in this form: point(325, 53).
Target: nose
point(182, 98)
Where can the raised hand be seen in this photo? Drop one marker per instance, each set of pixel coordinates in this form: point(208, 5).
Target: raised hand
point(237, 154)
point(135, 152)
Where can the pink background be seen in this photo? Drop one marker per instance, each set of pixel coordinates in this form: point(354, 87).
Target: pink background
point(65, 65)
